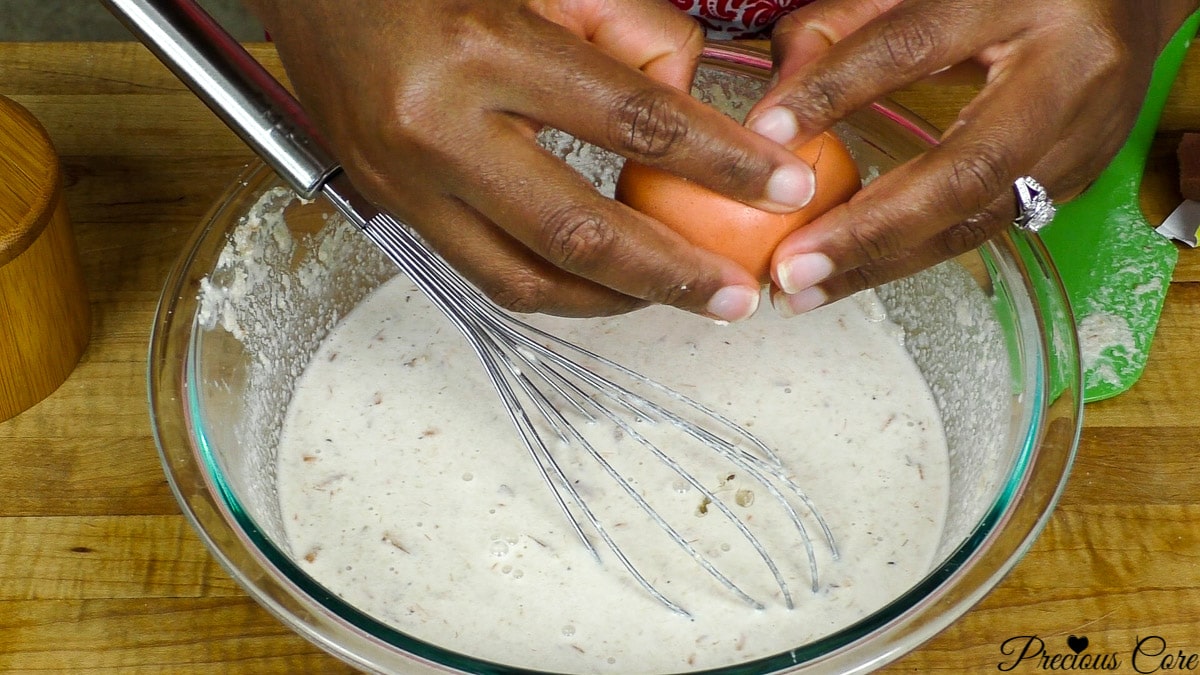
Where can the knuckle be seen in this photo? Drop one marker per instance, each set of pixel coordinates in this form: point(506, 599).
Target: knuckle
point(524, 293)
point(794, 20)
point(405, 121)
point(735, 167)
point(977, 177)
point(859, 279)
point(370, 179)
point(622, 304)
point(1107, 49)
point(875, 242)
point(470, 30)
point(969, 234)
point(1109, 59)
point(823, 96)
point(406, 113)
point(908, 45)
point(648, 124)
point(693, 39)
point(833, 95)
point(678, 293)
point(577, 238)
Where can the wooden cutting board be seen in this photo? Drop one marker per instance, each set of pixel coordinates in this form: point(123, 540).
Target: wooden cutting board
point(100, 573)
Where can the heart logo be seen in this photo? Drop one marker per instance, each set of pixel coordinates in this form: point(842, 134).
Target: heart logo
point(1077, 643)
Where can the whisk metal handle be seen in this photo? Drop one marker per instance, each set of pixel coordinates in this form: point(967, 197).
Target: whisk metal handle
point(235, 86)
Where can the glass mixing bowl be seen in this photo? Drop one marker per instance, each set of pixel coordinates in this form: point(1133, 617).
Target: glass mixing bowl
point(231, 337)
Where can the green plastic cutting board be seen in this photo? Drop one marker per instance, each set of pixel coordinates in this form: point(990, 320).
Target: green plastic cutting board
point(1115, 267)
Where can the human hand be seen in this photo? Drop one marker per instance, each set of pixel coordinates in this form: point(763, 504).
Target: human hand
point(1064, 83)
point(433, 106)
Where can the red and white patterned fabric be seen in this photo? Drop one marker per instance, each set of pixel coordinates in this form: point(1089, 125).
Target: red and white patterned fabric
point(727, 19)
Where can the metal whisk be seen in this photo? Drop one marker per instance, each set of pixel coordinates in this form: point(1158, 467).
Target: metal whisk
point(555, 393)
point(545, 381)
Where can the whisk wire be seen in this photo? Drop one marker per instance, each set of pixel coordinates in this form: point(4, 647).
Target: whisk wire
point(547, 459)
point(533, 442)
point(551, 412)
point(505, 344)
point(732, 453)
point(389, 237)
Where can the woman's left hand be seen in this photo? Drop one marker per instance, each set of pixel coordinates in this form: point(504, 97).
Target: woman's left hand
point(1064, 83)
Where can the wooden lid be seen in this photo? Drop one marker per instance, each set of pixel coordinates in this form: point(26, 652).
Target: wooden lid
point(29, 179)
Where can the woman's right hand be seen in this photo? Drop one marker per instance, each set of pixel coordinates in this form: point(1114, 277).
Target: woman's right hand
point(432, 107)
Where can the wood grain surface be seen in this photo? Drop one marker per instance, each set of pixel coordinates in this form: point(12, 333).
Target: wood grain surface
point(44, 310)
point(99, 572)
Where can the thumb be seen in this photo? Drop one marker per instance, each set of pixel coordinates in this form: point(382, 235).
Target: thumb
point(654, 37)
point(806, 33)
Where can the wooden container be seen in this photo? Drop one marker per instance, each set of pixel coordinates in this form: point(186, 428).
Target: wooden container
point(44, 316)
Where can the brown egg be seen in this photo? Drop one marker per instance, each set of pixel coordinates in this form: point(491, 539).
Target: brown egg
point(722, 225)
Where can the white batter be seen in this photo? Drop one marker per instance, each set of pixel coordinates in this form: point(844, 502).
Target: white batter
point(405, 490)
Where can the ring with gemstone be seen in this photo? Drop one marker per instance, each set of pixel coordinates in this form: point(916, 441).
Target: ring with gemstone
point(1034, 208)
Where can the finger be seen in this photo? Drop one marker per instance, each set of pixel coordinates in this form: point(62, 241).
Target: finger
point(806, 33)
point(506, 270)
point(878, 273)
point(905, 44)
point(1065, 166)
point(654, 37)
point(560, 217)
point(569, 84)
point(945, 245)
point(1002, 136)
point(510, 273)
point(1062, 166)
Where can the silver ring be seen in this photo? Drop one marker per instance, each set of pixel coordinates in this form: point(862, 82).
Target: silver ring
point(1034, 208)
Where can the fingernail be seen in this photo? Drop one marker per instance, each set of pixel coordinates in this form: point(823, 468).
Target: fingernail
point(801, 271)
point(790, 305)
point(792, 186)
point(777, 124)
point(733, 303)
